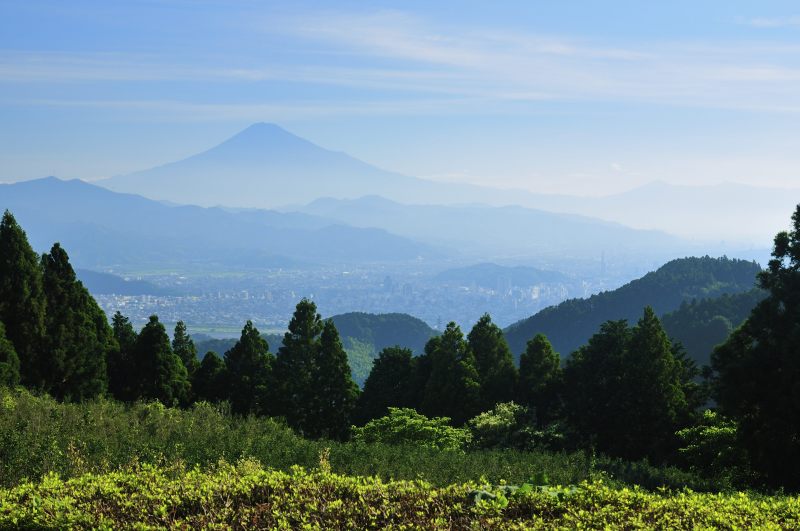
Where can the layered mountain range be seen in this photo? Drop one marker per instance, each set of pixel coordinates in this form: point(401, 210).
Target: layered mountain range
point(265, 166)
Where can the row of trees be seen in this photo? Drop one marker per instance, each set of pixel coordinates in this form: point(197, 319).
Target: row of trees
point(54, 338)
point(308, 382)
point(625, 393)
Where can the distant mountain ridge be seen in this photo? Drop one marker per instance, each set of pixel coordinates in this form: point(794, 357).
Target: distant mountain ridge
point(108, 284)
point(103, 228)
point(504, 230)
point(490, 276)
point(570, 324)
point(265, 166)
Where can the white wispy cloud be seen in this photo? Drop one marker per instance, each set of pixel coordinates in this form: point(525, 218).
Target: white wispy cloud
point(775, 22)
point(450, 68)
point(520, 66)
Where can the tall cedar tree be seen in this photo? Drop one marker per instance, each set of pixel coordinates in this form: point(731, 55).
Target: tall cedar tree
point(121, 368)
point(594, 379)
point(390, 384)
point(294, 366)
point(209, 381)
point(540, 379)
point(757, 370)
point(158, 372)
point(22, 301)
point(183, 347)
point(494, 362)
point(655, 393)
point(249, 367)
point(335, 393)
point(453, 389)
point(9, 361)
point(78, 339)
point(624, 391)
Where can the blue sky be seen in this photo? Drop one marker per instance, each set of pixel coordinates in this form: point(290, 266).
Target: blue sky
point(573, 97)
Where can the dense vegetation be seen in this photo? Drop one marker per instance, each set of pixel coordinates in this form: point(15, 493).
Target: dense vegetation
point(700, 325)
point(39, 435)
point(625, 407)
point(570, 324)
point(246, 497)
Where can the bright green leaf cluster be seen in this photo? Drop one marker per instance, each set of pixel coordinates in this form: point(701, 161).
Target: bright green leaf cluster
point(247, 496)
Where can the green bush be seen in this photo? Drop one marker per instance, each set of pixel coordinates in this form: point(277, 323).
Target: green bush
point(406, 426)
point(711, 449)
point(499, 427)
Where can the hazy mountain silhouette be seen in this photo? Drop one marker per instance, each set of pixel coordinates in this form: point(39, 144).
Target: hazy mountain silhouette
point(485, 230)
point(265, 166)
point(99, 283)
point(725, 211)
point(494, 276)
point(102, 228)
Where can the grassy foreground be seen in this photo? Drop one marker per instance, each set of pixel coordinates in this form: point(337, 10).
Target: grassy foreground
point(247, 496)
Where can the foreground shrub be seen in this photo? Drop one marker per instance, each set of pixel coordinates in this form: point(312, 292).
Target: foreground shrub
point(247, 496)
point(406, 426)
point(39, 436)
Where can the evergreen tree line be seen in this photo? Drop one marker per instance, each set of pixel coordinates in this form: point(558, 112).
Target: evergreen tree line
point(55, 339)
point(626, 393)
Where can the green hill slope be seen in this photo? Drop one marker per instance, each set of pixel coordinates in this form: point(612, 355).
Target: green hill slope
point(570, 324)
point(700, 325)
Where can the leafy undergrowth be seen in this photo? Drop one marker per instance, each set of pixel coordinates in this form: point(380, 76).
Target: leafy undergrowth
point(39, 436)
point(247, 496)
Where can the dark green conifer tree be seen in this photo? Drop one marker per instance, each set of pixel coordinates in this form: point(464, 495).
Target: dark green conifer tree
point(540, 378)
point(595, 376)
point(335, 393)
point(294, 366)
point(22, 301)
point(122, 382)
point(9, 361)
point(78, 339)
point(624, 390)
point(390, 384)
point(183, 347)
point(158, 372)
point(209, 382)
point(757, 370)
point(494, 362)
point(453, 389)
point(654, 391)
point(248, 367)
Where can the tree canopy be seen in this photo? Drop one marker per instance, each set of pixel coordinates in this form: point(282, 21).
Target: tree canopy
point(22, 300)
point(757, 370)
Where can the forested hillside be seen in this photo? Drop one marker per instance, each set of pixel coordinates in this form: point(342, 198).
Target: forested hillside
point(700, 325)
point(570, 324)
